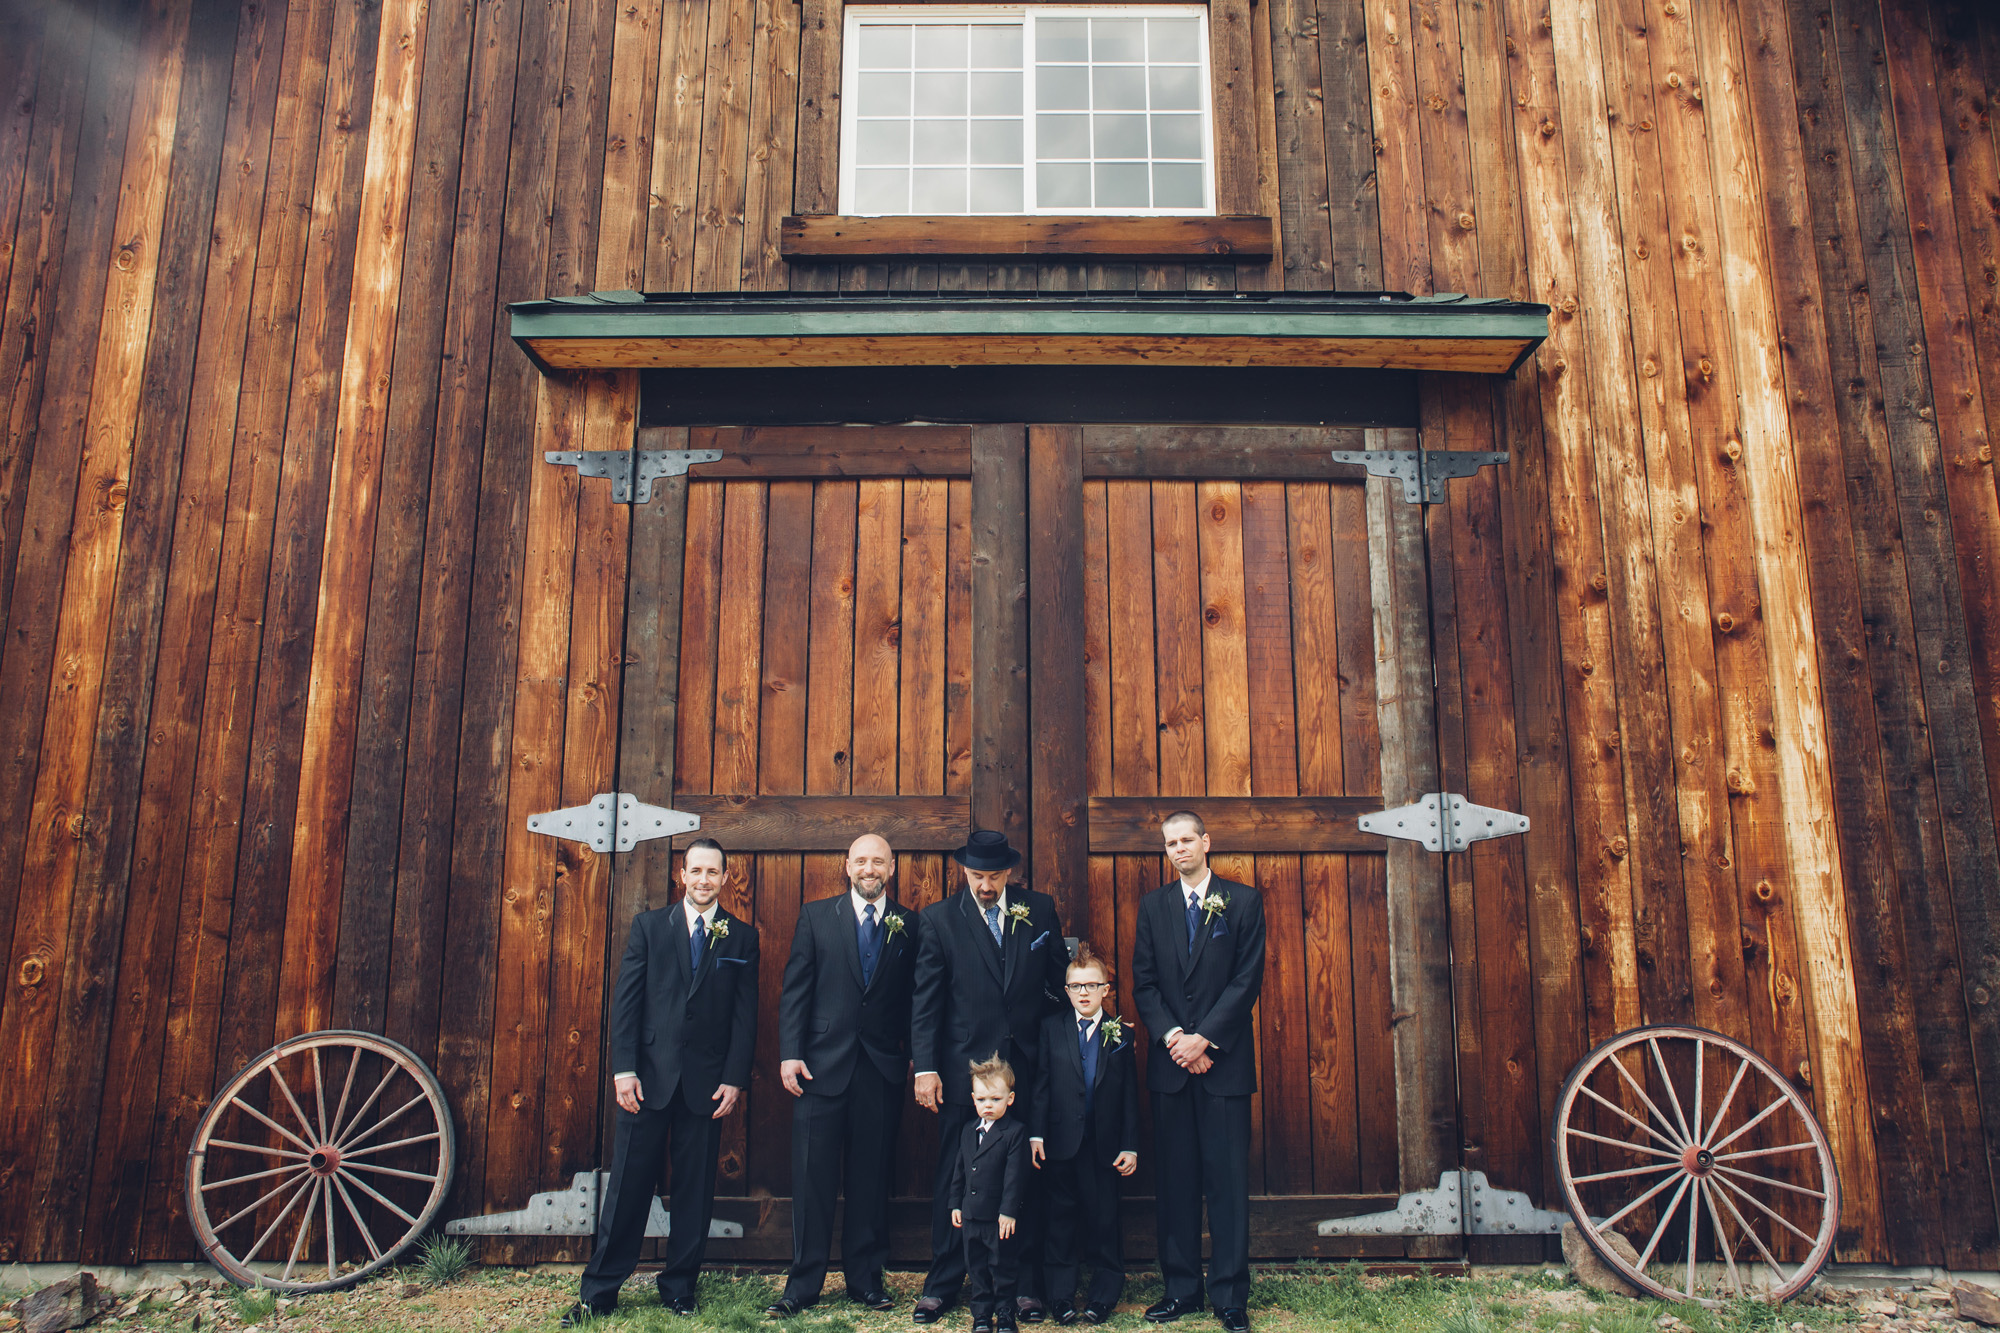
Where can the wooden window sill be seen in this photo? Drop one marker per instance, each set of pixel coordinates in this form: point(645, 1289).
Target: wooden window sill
point(829, 236)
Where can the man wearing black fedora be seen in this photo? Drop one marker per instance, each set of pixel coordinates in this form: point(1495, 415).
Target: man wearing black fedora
point(990, 968)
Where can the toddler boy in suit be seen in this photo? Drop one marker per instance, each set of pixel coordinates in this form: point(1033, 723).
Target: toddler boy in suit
point(1084, 1134)
point(989, 1185)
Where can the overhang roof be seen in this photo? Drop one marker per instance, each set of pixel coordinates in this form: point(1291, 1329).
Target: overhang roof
point(626, 330)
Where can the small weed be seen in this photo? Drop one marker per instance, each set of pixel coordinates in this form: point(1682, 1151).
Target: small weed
point(443, 1259)
point(1464, 1317)
point(254, 1304)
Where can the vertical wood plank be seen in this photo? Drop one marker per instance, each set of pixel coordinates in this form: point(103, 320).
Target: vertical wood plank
point(677, 145)
point(1305, 226)
point(878, 609)
point(1056, 674)
point(774, 118)
point(701, 596)
point(1000, 760)
point(1352, 181)
point(1177, 637)
point(721, 194)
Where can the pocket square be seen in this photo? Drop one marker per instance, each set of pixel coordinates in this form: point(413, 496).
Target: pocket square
point(732, 960)
point(1040, 940)
point(1221, 929)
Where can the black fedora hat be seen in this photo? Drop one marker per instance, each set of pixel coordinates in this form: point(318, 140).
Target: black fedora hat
point(987, 849)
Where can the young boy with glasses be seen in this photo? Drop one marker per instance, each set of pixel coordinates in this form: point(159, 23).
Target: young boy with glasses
point(1084, 1133)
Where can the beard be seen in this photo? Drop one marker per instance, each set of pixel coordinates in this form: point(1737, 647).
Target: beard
point(869, 887)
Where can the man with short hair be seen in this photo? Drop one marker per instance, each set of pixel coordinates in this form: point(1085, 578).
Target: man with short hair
point(683, 1031)
point(844, 1054)
point(1197, 969)
point(989, 970)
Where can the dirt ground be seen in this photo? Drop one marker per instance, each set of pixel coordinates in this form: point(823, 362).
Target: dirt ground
point(1285, 1299)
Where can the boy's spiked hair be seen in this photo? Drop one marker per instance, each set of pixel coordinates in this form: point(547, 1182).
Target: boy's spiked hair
point(993, 1070)
point(1086, 956)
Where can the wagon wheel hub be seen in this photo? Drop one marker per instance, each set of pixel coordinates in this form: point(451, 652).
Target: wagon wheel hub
point(1697, 1161)
point(325, 1160)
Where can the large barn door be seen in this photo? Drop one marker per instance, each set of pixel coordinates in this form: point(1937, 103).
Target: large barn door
point(1064, 632)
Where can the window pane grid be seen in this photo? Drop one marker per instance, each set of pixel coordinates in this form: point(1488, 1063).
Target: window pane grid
point(1047, 111)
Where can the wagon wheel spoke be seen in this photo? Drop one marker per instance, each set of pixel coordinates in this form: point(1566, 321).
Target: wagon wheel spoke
point(1619, 1216)
point(1666, 1216)
point(319, 1093)
point(346, 1087)
point(374, 1250)
point(1750, 1231)
point(1728, 1098)
point(259, 1148)
point(305, 1229)
point(332, 1256)
point(1640, 1093)
point(278, 1077)
point(1659, 1062)
point(1628, 1171)
point(1775, 1184)
point(1621, 1143)
point(385, 1147)
point(277, 1221)
point(1614, 1107)
point(1698, 1062)
point(1694, 1222)
point(389, 1171)
point(1708, 1192)
point(388, 1076)
point(374, 1194)
point(1807, 1146)
point(274, 1192)
point(377, 1127)
point(1765, 1209)
point(1753, 1122)
point(254, 1175)
point(238, 1101)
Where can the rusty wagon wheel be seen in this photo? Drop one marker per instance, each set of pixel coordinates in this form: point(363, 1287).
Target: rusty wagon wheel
point(1704, 1158)
point(327, 1157)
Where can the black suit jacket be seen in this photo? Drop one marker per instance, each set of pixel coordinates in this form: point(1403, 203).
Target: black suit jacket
point(676, 1030)
point(991, 1179)
point(973, 999)
point(826, 1017)
point(1213, 992)
point(1055, 1113)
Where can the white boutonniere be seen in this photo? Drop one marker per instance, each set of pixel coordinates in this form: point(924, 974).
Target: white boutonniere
point(893, 923)
point(1113, 1032)
point(1017, 916)
point(718, 929)
point(1212, 905)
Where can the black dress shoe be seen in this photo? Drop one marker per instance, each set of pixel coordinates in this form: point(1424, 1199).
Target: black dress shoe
point(782, 1308)
point(683, 1306)
point(1029, 1310)
point(928, 1310)
point(578, 1315)
point(877, 1299)
point(1172, 1308)
point(1236, 1319)
point(1098, 1311)
point(1065, 1313)
point(1004, 1323)
point(982, 1326)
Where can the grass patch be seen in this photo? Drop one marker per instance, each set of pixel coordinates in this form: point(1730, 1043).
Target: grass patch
point(443, 1259)
point(253, 1305)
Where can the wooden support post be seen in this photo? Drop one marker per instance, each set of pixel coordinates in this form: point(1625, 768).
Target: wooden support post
point(1061, 833)
point(1419, 913)
point(1000, 632)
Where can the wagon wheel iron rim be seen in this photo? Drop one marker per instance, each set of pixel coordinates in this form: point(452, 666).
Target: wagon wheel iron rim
point(329, 1188)
point(1708, 1154)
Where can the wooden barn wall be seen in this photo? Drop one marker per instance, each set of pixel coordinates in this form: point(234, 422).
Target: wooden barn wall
point(297, 628)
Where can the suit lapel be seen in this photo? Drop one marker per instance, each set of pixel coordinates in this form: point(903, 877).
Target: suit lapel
point(890, 945)
point(707, 954)
point(1204, 924)
point(677, 942)
point(848, 927)
point(1012, 945)
point(1103, 1055)
point(982, 939)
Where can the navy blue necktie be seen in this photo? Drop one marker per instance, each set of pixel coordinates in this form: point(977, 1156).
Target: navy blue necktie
point(1194, 921)
point(697, 944)
point(993, 922)
point(1087, 1045)
point(870, 939)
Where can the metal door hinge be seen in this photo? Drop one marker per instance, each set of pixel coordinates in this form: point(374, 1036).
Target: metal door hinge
point(634, 822)
point(617, 464)
point(573, 1212)
point(1423, 471)
point(1444, 822)
point(1464, 1203)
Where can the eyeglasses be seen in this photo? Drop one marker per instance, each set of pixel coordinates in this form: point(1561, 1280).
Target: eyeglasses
point(1086, 987)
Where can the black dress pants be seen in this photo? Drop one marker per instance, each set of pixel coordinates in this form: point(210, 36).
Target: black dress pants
point(1083, 1227)
point(642, 1149)
point(1202, 1147)
point(993, 1267)
point(847, 1139)
point(947, 1273)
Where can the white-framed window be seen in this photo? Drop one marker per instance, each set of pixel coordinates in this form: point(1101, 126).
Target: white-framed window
point(1026, 109)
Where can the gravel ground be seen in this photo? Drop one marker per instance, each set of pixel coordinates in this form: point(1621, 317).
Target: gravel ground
point(1284, 1300)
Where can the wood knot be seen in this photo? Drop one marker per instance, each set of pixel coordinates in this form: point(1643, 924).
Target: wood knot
point(32, 971)
point(1739, 782)
point(1598, 582)
point(1212, 615)
point(1725, 622)
point(1764, 892)
point(1618, 847)
point(1218, 511)
point(1465, 221)
point(1731, 452)
point(1587, 667)
point(1673, 80)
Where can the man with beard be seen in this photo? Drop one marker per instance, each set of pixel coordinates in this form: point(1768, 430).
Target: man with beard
point(844, 1052)
point(991, 968)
